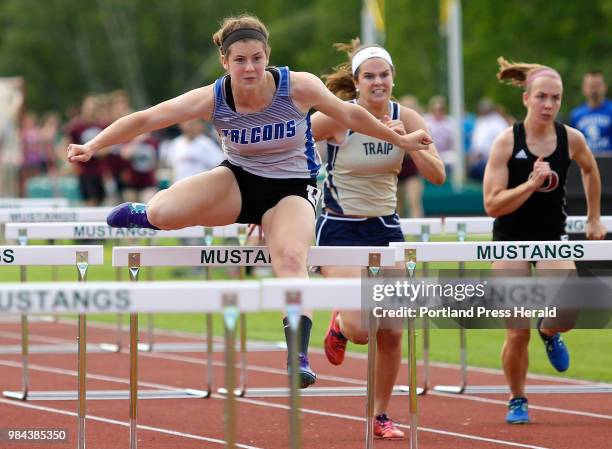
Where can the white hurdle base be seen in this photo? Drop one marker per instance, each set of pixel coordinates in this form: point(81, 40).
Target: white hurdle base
point(70, 348)
point(67, 395)
point(532, 389)
point(201, 347)
point(399, 390)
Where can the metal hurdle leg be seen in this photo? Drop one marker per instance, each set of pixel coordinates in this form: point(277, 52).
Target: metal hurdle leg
point(373, 271)
point(410, 258)
point(293, 303)
point(134, 270)
point(147, 346)
point(241, 390)
point(425, 235)
point(119, 277)
point(459, 389)
point(82, 265)
point(208, 240)
point(230, 317)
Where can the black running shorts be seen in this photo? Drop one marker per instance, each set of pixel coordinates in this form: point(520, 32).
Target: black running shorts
point(261, 194)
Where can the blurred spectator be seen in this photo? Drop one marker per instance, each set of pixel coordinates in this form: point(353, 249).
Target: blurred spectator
point(34, 162)
point(441, 130)
point(469, 121)
point(82, 129)
point(50, 140)
point(11, 106)
point(138, 176)
point(119, 106)
point(192, 152)
point(489, 124)
point(594, 117)
point(409, 182)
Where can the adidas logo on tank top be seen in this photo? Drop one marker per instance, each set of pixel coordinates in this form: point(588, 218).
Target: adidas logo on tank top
point(521, 155)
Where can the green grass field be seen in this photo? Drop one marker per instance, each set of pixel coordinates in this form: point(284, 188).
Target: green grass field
point(590, 349)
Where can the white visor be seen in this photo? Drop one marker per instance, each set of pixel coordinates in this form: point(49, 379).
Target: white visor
point(367, 53)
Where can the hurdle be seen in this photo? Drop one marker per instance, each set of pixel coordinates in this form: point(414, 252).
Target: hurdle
point(491, 251)
point(122, 297)
point(258, 256)
point(53, 214)
point(89, 231)
point(462, 226)
point(238, 231)
point(81, 257)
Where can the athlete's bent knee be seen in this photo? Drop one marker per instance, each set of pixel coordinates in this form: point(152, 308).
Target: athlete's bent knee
point(290, 261)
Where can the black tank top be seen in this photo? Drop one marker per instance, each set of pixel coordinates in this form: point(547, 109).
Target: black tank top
point(543, 215)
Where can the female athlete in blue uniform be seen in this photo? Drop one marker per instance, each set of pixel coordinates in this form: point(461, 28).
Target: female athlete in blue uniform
point(262, 117)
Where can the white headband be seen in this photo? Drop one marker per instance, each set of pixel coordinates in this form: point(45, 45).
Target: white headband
point(367, 53)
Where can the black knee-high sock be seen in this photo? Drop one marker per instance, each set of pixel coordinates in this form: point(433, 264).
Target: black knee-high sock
point(303, 334)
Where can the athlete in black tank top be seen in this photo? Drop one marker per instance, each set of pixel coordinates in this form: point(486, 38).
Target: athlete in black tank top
point(542, 216)
point(526, 193)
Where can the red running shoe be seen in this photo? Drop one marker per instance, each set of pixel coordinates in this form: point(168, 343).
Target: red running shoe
point(385, 429)
point(335, 342)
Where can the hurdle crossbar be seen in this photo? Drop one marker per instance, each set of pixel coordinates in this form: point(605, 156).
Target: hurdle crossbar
point(517, 251)
point(15, 203)
point(575, 224)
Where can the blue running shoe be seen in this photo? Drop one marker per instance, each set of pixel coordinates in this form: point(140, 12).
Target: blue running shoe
point(555, 349)
point(129, 215)
point(517, 411)
point(307, 375)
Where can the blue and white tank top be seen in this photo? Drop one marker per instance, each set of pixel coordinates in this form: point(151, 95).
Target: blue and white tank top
point(362, 174)
point(274, 143)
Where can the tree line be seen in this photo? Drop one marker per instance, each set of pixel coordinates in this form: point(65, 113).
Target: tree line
point(156, 49)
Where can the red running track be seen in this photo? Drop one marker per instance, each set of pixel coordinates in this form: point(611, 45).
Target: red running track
point(560, 421)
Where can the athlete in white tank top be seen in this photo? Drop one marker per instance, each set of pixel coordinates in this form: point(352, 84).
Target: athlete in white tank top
point(360, 197)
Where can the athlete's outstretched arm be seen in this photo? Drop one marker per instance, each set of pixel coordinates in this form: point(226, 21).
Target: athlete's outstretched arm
point(591, 181)
point(308, 90)
point(197, 103)
point(324, 127)
point(498, 198)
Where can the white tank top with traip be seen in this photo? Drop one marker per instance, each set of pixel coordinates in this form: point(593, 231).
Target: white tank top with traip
point(273, 143)
point(362, 174)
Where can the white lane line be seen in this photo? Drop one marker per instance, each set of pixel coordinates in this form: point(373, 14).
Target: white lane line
point(531, 406)
point(466, 397)
point(350, 354)
point(121, 423)
point(304, 410)
point(263, 369)
point(67, 372)
point(420, 428)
